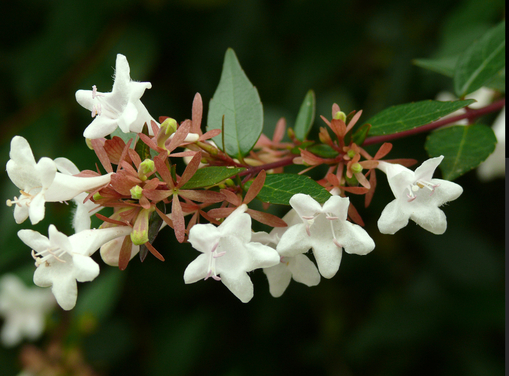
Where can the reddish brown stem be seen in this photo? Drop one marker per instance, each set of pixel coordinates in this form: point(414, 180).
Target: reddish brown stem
point(471, 114)
point(255, 169)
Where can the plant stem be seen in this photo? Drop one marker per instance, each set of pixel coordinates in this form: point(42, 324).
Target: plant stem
point(255, 169)
point(470, 114)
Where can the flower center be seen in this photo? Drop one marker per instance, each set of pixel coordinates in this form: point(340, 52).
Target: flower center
point(417, 186)
point(212, 263)
point(103, 106)
point(24, 200)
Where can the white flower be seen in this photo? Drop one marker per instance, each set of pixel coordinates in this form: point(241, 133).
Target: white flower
point(121, 107)
point(494, 166)
point(40, 182)
point(418, 197)
point(62, 260)
point(326, 231)
point(298, 267)
point(23, 309)
point(33, 180)
point(228, 254)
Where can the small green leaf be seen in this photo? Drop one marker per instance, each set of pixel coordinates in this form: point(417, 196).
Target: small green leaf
point(237, 99)
point(481, 62)
point(445, 65)
point(209, 176)
point(306, 116)
point(279, 188)
point(464, 148)
point(323, 150)
point(360, 134)
point(412, 115)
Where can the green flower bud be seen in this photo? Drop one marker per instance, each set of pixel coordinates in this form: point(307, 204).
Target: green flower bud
point(340, 115)
point(351, 153)
point(139, 235)
point(356, 167)
point(97, 196)
point(136, 192)
point(168, 127)
point(146, 168)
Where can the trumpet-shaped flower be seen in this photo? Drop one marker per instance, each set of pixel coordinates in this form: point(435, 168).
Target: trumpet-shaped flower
point(40, 182)
point(23, 309)
point(228, 254)
point(418, 197)
point(325, 230)
point(121, 107)
point(298, 267)
point(62, 260)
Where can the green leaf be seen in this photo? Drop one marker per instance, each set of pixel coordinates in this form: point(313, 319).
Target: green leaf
point(323, 150)
point(412, 115)
point(208, 176)
point(360, 134)
point(237, 99)
point(464, 148)
point(481, 62)
point(279, 188)
point(445, 65)
point(306, 116)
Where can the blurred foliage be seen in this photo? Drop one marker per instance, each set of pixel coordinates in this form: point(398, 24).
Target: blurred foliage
point(419, 304)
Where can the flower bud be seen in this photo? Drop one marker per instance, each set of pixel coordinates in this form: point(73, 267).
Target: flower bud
point(356, 167)
point(168, 127)
point(139, 235)
point(351, 153)
point(340, 115)
point(136, 192)
point(147, 167)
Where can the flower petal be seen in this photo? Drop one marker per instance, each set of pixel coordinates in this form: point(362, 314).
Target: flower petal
point(392, 218)
point(304, 270)
point(279, 277)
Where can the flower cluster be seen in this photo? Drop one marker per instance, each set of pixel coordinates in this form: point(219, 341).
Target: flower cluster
point(143, 193)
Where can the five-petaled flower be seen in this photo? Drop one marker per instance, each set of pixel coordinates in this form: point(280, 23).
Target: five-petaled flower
point(121, 107)
point(62, 260)
point(325, 230)
point(23, 309)
point(40, 182)
point(228, 254)
point(298, 267)
point(418, 197)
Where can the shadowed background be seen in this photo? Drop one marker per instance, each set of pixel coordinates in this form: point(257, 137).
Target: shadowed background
point(418, 304)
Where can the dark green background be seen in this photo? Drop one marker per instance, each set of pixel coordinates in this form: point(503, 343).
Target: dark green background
point(419, 304)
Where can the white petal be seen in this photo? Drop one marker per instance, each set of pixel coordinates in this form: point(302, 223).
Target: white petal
point(355, 239)
point(392, 218)
point(197, 269)
point(46, 170)
point(261, 256)
point(338, 206)
point(36, 209)
point(428, 167)
point(66, 166)
point(34, 240)
point(431, 219)
point(305, 205)
point(279, 277)
point(21, 152)
point(238, 226)
point(84, 98)
point(240, 285)
point(21, 213)
point(85, 269)
point(304, 270)
point(204, 237)
point(100, 127)
point(328, 257)
point(294, 241)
